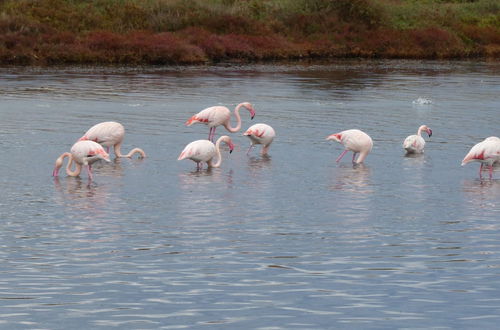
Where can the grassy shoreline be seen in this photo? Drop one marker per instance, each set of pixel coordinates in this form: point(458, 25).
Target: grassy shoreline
point(210, 31)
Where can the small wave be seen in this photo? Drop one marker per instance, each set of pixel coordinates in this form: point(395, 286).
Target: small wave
point(422, 101)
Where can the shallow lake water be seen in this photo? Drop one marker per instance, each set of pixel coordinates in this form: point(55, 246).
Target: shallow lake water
point(291, 241)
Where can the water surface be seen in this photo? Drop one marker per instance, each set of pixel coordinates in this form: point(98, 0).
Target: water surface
point(293, 241)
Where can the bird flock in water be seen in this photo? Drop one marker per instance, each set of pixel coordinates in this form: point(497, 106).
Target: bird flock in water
point(90, 147)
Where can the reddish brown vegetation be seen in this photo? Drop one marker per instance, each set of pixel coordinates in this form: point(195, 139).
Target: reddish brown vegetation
point(187, 32)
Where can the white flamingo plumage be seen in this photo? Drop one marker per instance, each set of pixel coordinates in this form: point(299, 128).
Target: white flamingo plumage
point(487, 152)
point(82, 153)
point(260, 134)
point(220, 115)
point(353, 140)
point(204, 151)
point(110, 134)
point(416, 143)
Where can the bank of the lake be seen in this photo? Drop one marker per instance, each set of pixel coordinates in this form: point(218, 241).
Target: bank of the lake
point(201, 31)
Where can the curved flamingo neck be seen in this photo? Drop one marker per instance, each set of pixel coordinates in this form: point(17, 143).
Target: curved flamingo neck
point(361, 157)
point(235, 129)
point(420, 129)
point(217, 150)
point(59, 163)
point(119, 154)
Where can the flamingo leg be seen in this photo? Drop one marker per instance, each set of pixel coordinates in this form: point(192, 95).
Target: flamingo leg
point(89, 172)
point(250, 149)
point(491, 171)
point(210, 134)
point(354, 156)
point(341, 155)
point(480, 169)
point(213, 134)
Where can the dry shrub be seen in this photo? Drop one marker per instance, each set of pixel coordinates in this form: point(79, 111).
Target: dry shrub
point(211, 44)
point(163, 48)
point(482, 34)
point(105, 41)
point(436, 42)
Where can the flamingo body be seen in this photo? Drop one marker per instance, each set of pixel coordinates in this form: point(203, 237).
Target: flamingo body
point(110, 134)
point(260, 134)
point(82, 153)
point(416, 143)
point(487, 152)
point(205, 151)
point(220, 115)
point(353, 140)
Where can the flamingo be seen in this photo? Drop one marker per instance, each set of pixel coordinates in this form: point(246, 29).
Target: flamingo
point(486, 152)
point(83, 153)
point(220, 115)
point(204, 151)
point(109, 134)
point(353, 140)
point(416, 143)
point(260, 134)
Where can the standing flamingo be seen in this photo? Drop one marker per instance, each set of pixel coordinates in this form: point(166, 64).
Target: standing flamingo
point(486, 152)
point(83, 153)
point(204, 151)
point(220, 115)
point(353, 140)
point(416, 143)
point(260, 134)
point(109, 134)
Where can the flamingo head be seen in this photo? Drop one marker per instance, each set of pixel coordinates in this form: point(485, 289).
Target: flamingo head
point(429, 131)
point(250, 108)
point(425, 129)
point(227, 140)
point(336, 137)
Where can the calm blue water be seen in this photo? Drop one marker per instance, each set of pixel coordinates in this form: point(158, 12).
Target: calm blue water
point(294, 241)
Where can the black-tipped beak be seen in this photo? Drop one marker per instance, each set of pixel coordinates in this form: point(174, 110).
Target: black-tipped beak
point(430, 133)
point(252, 117)
point(231, 151)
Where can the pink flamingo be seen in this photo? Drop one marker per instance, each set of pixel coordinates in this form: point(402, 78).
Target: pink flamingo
point(416, 143)
point(353, 140)
point(83, 153)
point(219, 115)
point(204, 151)
point(110, 134)
point(260, 134)
point(486, 152)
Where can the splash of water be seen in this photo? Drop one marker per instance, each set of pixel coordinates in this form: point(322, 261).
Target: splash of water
point(422, 101)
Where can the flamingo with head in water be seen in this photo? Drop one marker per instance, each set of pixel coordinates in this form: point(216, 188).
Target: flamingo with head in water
point(82, 153)
point(220, 115)
point(353, 140)
point(204, 151)
point(487, 152)
point(416, 143)
point(260, 134)
point(110, 134)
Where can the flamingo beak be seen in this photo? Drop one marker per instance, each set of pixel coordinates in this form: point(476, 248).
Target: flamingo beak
point(429, 132)
point(231, 147)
